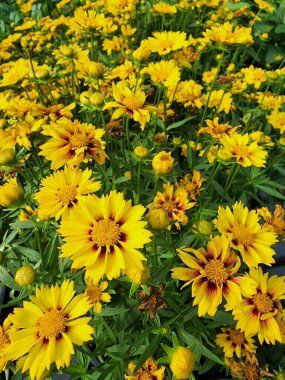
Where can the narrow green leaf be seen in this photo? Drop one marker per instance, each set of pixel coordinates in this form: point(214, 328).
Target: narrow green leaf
point(8, 280)
point(108, 312)
point(269, 190)
point(178, 124)
point(30, 253)
point(150, 349)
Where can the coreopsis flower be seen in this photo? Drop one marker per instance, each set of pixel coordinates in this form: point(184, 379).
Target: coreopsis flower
point(149, 371)
point(152, 302)
point(185, 56)
point(246, 235)
point(96, 294)
point(212, 274)
point(73, 142)
point(162, 163)
point(219, 99)
point(193, 185)
point(243, 150)
point(165, 42)
point(260, 310)
point(226, 34)
point(103, 236)
point(174, 202)
point(254, 75)
point(233, 341)
point(277, 120)
point(16, 73)
point(49, 325)
point(275, 221)
point(4, 342)
point(189, 94)
point(261, 138)
point(217, 130)
point(164, 73)
point(11, 194)
point(162, 8)
point(61, 191)
point(248, 369)
point(130, 103)
point(182, 363)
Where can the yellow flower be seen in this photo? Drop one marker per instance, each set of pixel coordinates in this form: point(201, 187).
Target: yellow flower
point(245, 152)
point(49, 325)
point(158, 218)
point(140, 278)
point(275, 221)
point(164, 73)
point(162, 163)
point(217, 130)
point(72, 143)
point(165, 42)
point(260, 311)
point(174, 202)
point(103, 236)
point(253, 75)
point(226, 35)
point(7, 156)
point(189, 94)
point(149, 371)
point(141, 151)
point(95, 293)
point(163, 8)
point(277, 120)
point(219, 99)
point(4, 342)
point(212, 274)
point(25, 275)
point(182, 363)
point(192, 186)
point(246, 235)
point(11, 195)
point(234, 341)
point(61, 191)
point(129, 103)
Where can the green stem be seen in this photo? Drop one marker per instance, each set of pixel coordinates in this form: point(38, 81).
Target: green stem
point(209, 181)
point(139, 182)
point(231, 177)
point(39, 246)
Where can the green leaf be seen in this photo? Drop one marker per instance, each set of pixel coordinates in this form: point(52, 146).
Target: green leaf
point(108, 312)
point(150, 349)
point(8, 280)
point(179, 123)
point(51, 250)
point(30, 253)
point(26, 224)
point(169, 350)
point(269, 190)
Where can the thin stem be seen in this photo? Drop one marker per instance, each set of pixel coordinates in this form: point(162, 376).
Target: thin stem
point(230, 180)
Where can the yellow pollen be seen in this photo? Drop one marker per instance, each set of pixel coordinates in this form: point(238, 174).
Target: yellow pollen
point(237, 337)
point(131, 103)
point(67, 194)
point(94, 293)
point(4, 339)
point(52, 324)
point(263, 303)
point(105, 232)
point(241, 151)
point(216, 271)
point(242, 235)
point(78, 140)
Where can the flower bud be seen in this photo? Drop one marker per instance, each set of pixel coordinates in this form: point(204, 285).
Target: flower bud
point(182, 363)
point(67, 51)
point(224, 155)
point(42, 74)
point(141, 151)
point(162, 163)
point(97, 99)
point(128, 174)
point(203, 227)
point(158, 218)
point(7, 156)
point(11, 195)
point(84, 98)
point(140, 277)
point(25, 275)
